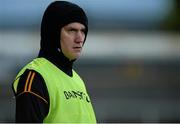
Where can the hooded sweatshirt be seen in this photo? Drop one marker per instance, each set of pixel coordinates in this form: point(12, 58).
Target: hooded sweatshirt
point(57, 15)
point(34, 106)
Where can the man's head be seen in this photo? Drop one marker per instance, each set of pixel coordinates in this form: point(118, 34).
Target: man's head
point(58, 16)
point(72, 39)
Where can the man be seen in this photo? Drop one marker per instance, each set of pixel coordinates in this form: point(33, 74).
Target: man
point(48, 89)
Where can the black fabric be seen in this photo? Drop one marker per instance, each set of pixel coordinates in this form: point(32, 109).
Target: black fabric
point(29, 107)
point(60, 61)
point(57, 15)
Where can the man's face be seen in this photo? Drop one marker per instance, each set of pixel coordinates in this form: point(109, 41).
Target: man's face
point(72, 39)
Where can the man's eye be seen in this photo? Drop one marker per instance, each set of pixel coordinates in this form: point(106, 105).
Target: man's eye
point(83, 30)
point(72, 30)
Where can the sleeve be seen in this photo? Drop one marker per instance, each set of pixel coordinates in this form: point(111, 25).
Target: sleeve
point(32, 98)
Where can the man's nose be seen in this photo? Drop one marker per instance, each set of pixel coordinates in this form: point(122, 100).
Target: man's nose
point(80, 36)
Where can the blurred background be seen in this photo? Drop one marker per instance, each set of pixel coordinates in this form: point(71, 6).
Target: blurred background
point(130, 61)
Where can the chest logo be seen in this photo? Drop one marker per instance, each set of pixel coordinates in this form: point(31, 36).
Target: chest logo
point(76, 95)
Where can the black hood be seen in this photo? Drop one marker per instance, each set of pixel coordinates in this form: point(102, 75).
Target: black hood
point(57, 15)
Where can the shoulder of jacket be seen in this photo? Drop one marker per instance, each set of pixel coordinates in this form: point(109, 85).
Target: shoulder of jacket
point(31, 82)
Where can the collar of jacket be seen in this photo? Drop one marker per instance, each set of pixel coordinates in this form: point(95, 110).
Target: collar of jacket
point(59, 60)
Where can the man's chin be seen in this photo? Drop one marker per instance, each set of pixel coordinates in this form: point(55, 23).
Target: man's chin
point(75, 57)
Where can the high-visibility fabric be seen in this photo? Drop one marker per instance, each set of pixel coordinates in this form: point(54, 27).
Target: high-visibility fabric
point(69, 101)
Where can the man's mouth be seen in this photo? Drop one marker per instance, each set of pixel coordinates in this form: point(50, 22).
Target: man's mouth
point(77, 48)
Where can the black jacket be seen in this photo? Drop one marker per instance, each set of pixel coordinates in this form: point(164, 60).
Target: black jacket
point(33, 106)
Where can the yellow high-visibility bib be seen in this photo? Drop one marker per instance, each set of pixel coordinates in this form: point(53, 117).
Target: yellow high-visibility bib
point(69, 101)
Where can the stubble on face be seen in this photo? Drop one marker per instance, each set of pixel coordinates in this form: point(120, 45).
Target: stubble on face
point(72, 39)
